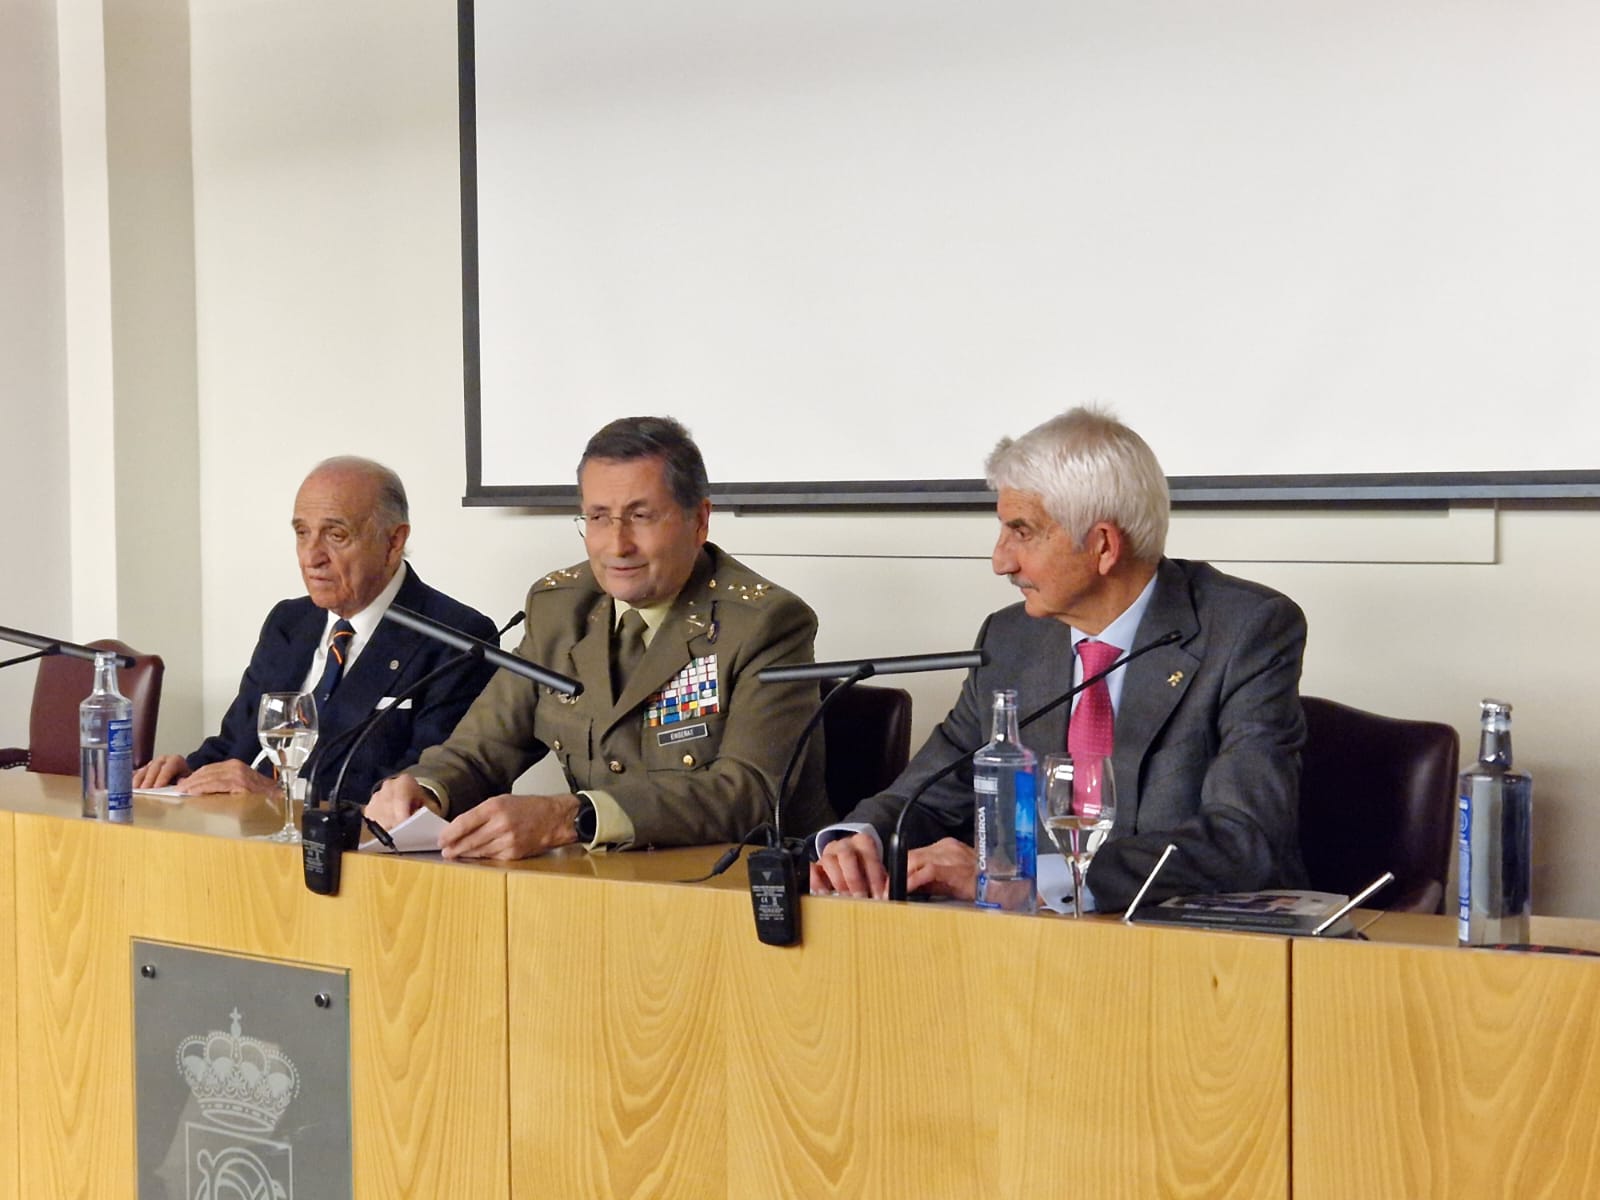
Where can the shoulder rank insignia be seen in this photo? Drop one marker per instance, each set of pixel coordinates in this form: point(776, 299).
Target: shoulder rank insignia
point(555, 578)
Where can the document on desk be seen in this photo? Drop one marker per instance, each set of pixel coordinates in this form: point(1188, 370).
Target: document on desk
point(167, 795)
point(417, 834)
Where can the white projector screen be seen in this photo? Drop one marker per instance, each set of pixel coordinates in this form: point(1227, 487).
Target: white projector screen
point(850, 243)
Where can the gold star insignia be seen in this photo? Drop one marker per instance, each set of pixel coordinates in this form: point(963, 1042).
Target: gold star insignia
point(1175, 679)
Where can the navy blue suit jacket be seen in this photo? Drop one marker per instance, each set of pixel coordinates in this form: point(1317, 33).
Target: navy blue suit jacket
point(390, 663)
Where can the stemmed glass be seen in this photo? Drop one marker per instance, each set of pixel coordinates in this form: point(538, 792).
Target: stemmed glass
point(1080, 807)
point(287, 723)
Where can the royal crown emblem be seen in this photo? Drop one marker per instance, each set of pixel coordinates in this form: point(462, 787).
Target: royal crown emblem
point(240, 1083)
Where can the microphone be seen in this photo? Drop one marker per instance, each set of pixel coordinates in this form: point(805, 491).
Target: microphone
point(47, 646)
point(775, 871)
point(897, 850)
point(359, 731)
point(328, 832)
point(865, 668)
point(462, 641)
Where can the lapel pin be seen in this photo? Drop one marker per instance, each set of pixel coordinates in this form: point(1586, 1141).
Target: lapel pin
point(394, 664)
point(1175, 679)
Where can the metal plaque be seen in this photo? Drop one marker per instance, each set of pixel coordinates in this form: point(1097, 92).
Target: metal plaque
point(241, 1076)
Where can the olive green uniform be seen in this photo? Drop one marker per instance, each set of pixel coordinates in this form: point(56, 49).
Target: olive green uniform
point(694, 747)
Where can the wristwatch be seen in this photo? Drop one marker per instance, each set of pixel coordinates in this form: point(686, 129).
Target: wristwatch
point(584, 823)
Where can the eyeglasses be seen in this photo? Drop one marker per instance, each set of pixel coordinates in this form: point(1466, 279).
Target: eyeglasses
point(603, 523)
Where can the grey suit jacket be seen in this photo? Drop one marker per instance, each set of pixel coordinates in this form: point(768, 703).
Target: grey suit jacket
point(1208, 737)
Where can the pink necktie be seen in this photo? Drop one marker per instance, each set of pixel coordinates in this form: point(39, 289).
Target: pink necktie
point(1091, 731)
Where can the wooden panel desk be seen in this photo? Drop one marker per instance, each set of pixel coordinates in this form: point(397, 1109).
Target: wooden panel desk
point(425, 946)
point(655, 1048)
point(658, 1049)
point(1427, 1071)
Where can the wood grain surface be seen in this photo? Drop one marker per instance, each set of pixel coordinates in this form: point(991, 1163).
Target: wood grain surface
point(1444, 1073)
point(8, 1013)
point(658, 1049)
point(425, 947)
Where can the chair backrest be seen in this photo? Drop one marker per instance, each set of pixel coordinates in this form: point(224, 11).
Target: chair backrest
point(60, 687)
point(1378, 794)
point(868, 732)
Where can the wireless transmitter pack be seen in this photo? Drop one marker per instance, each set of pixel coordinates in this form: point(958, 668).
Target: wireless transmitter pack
point(775, 874)
point(326, 833)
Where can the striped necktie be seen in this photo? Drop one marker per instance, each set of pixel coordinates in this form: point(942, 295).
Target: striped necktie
point(338, 650)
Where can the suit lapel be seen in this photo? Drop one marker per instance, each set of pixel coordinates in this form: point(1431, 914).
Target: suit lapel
point(1153, 685)
point(301, 637)
point(590, 659)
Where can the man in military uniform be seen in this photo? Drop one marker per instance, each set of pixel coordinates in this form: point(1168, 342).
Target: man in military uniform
point(674, 741)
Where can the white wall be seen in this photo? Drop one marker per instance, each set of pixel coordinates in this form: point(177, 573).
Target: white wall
point(327, 283)
point(34, 586)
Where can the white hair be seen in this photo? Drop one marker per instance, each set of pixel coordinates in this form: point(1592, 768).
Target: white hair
point(1086, 466)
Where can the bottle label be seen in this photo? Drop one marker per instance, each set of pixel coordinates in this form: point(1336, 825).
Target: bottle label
point(1464, 868)
point(119, 766)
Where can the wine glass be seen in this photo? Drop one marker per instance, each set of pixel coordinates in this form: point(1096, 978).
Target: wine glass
point(1080, 808)
point(287, 723)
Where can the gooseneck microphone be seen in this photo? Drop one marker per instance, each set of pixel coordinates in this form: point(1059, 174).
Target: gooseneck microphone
point(357, 733)
point(856, 669)
point(46, 646)
point(775, 870)
point(464, 641)
point(897, 849)
point(328, 832)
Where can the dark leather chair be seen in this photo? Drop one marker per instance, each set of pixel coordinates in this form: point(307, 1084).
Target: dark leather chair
point(868, 734)
point(1378, 794)
point(61, 685)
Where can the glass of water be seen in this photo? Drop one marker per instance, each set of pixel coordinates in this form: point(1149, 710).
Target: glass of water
point(1080, 807)
point(287, 724)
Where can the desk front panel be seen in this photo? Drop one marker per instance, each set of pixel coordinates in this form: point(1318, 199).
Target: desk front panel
point(659, 1049)
point(425, 947)
point(1444, 1074)
point(8, 1012)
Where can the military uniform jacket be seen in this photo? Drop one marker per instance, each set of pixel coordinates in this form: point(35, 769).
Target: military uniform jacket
point(694, 748)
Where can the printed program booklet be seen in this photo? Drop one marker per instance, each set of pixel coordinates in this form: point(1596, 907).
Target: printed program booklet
point(1292, 913)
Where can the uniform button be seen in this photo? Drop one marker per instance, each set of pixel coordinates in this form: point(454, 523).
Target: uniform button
point(556, 745)
point(615, 767)
point(688, 760)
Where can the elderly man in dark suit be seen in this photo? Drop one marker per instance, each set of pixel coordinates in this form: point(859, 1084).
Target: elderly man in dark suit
point(1205, 732)
point(351, 523)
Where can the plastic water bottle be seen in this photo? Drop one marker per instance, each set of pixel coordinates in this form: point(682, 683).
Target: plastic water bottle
point(1496, 839)
point(1005, 835)
point(105, 745)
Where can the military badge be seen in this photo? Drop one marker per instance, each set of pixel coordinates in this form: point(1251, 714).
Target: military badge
point(690, 694)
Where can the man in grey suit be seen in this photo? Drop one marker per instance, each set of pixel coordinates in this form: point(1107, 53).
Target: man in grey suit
point(1207, 731)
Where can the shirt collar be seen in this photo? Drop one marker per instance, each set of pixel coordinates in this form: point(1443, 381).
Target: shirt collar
point(653, 614)
point(1121, 632)
point(366, 621)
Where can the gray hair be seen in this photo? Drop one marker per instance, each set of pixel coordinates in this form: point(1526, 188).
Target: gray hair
point(392, 509)
point(630, 438)
point(1086, 466)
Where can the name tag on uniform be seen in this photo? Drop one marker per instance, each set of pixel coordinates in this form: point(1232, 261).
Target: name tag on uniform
point(681, 733)
point(690, 694)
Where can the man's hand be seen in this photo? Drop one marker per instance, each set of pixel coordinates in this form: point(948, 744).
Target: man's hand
point(396, 799)
point(508, 827)
point(850, 866)
point(229, 775)
point(949, 867)
point(160, 771)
